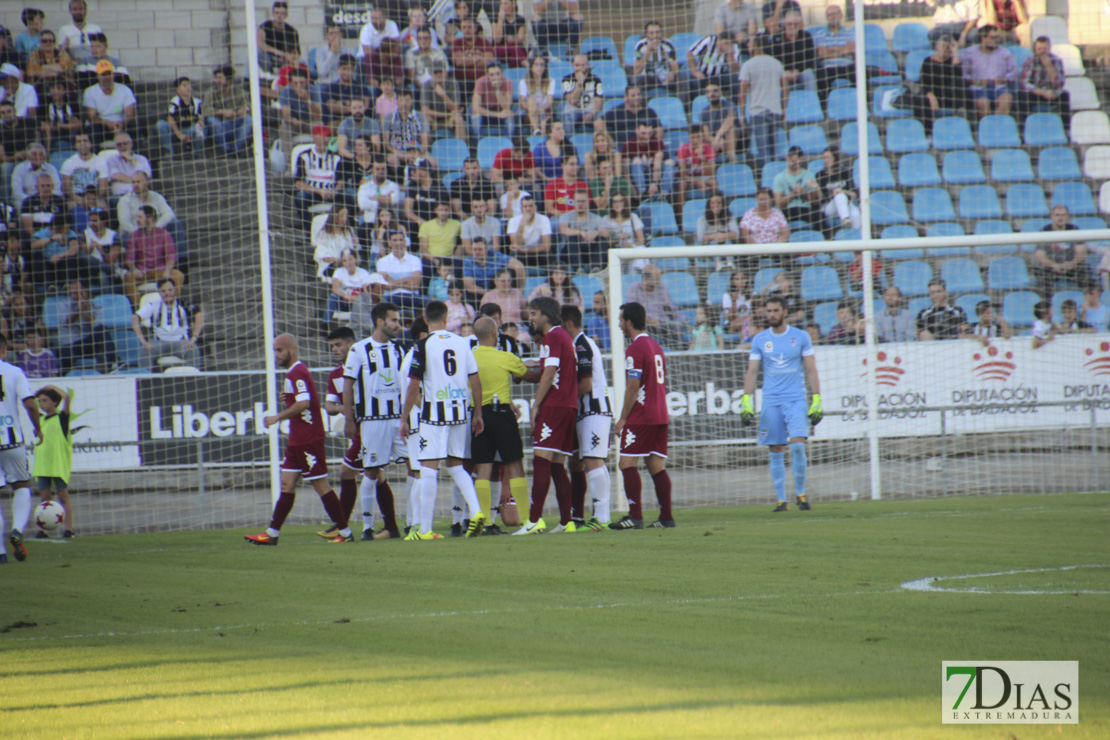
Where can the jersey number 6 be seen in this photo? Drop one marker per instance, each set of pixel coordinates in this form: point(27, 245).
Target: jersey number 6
point(449, 364)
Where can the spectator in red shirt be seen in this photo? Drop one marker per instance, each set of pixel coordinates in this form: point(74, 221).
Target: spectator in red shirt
point(559, 196)
point(151, 254)
point(645, 155)
point(696, 160)
point(470, 54)
point(492, 112)
point(517, 160)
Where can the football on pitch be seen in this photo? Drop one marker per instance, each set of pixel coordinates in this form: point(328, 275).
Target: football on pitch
point(49, 515)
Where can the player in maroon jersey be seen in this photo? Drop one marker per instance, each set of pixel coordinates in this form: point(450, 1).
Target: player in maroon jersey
point(642, 427)
point(340, 341)
point(304, 451)
point(554, 415)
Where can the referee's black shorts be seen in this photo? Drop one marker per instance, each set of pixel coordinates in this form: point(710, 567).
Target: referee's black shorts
point(500, 436)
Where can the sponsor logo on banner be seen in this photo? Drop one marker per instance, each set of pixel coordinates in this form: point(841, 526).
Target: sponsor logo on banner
point(1009, 692)
point(1095, 394)
point(993, 364)
point(1100, 365)
point(888, 374)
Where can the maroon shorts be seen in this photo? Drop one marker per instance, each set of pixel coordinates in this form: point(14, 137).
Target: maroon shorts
point(353, 458)
point(309, 460)
point(641, 440)
point(555, 430)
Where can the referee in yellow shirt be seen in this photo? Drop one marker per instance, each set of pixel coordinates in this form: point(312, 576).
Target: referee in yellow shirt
point(501, 436)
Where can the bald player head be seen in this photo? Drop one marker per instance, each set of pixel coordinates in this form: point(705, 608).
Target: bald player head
point(285, 350)
point(485, 329)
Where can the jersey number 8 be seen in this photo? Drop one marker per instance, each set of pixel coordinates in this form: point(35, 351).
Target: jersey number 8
point(659, 369)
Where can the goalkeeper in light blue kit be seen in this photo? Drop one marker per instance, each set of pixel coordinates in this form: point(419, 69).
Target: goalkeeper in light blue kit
point(786, 355)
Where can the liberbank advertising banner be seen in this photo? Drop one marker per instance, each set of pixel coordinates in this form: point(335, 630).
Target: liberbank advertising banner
point(156, 420)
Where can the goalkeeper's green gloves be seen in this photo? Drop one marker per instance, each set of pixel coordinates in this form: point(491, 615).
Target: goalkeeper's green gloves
point(816, 413)
point(747, 411)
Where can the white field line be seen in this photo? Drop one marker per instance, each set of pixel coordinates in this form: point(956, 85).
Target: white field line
point(428, 615)
point(927, 584)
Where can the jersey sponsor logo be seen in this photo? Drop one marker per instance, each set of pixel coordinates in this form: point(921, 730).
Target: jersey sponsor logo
point(629, 440)
point(545, 351)
point(556, 381)
point(629, 363)
point(310, 459)
point(641, 395)
point(768, 346)
point(793, 341)
point(779, 362)
point(595, 441)
point(451, 394)
point(545, 432)
point(387, 379)
point(423, 444)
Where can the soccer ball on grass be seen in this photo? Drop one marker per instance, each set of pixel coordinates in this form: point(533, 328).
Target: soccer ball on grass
point(49, 515)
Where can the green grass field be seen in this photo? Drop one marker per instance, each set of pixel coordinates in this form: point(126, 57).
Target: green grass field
point(738, 624)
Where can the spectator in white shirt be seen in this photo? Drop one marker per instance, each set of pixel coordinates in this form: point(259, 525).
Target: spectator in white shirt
point(371, 35)
point(109, 107)
point(123, 165)
point(377, 192)
point(530, 235)
point(85, 169)
point(74, 37)
point(25, 176)
point(176, 327)
point(403, 272)
point(12, 87)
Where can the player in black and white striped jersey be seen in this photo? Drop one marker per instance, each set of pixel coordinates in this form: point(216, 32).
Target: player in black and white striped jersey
point(15, 391)
point(418, 330)
point(372, 400)
point(505, 343)
point(447, 375)
point(589, 466)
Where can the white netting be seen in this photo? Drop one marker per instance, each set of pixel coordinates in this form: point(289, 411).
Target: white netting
point(169, 437)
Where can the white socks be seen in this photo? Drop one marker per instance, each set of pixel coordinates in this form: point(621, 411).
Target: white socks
point(413, 487)
point(429, 485)
point(466, 487)
point(368, 496)
point(21, 508)
point(598, 487)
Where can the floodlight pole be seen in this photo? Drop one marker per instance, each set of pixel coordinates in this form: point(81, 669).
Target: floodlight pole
point(868, 255)
point(263, 245)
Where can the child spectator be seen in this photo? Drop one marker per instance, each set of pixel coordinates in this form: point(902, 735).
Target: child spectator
point(510, 199)
point(61, 121)
point(849, 326)
point(1044, 331)
point(54, 455)
point(17, 279)
point(696, 160)
point(1070, 323)
point(19, 322)
point(707, 336)
point(183, 125)
point(439, 288)
point(36, 360)
point(386, 104)
point(28, 41)
point(1095, 312)
point(459, 314)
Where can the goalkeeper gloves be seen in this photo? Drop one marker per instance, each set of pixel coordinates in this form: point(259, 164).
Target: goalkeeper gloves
point(747, 412)
point(816, 413)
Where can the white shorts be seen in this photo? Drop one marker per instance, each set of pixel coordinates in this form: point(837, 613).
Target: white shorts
point(412, 446)
point(594, 433)
point(435, 442)
point(13, 463)
point(381, 442)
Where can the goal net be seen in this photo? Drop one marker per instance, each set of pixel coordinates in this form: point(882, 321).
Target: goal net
point(175, 439)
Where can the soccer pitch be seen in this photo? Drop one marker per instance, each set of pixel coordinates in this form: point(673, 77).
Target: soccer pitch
point(738, 624)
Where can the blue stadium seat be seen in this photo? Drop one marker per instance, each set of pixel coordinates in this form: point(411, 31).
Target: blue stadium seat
point(583, 145)
point(919, 304)
point(979, 201)
point(1045, 129)
point(849, 139)
point(603, 44)
point(53, 309)
point(700, 103)
point(820, 283)
point(717, 286)
point(946, 228)
point(532, 283)
point(83, 372)
point(815, 165)
point(770, 170)
point(810, 138)
point(59, 158)
point(1020, 54)
point(516, 74)
point(128, 347)
point(627, 281)
point(1034, 224)
point(881, 176)
point(1011, 165)
point(674, 139)
point(117, 311)
point(764, 277)
point(450, 177)
point(683, 288)
point(886, 62)
point(847, 235)
point(888, 208)
point(1090, 222)
point(668, 241)
point(904, 231)
point(1076, 196)
point(906, 135)
point(630, 48)
point(932, 204)
point(999, 132)
point(994, 227)
point(803, 106)
point(1008, 273)
point(912, 277)
point(918, 170)
point(606, 64)
point(963, 168)
point(450, 153)
point(671, 112)
point(910, 37)
point(1025, 201)
point(781, 145)
point(968, 302)
point(692, 210)
point(1058, 163)
point(1017, 308)
point(962, 275)
point(807, 235)
point(661, 216)
point(1065, 295)
point(739, 206)
point(312, 72)
point(842, 104)
point(913, 63)
point(587, 285)
point(488, 148)
point(873, 37)
point(558, 69)
point(613, 80)
point(610, 104)
point(820, 258)
point(952, 132)
point(558, 50)
point(682, 43)
point(877, 109)
point(735, 180)
point(824, 315)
